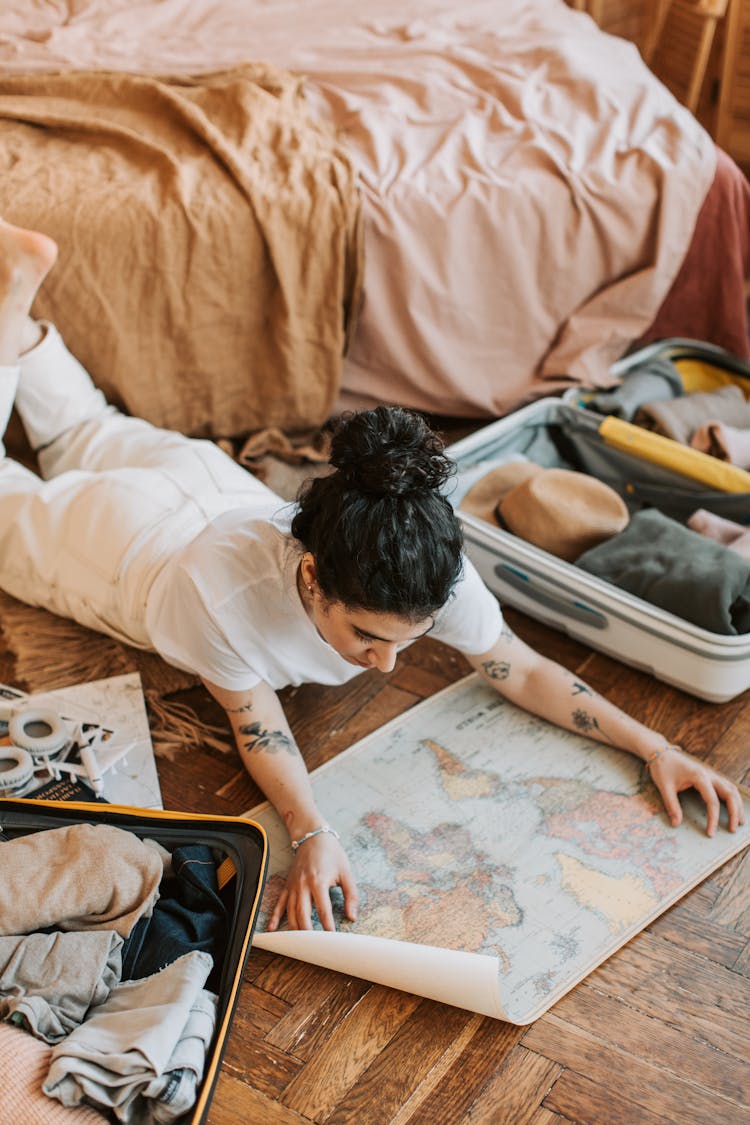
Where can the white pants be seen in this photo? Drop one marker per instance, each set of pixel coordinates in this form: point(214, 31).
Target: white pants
point(116, 499)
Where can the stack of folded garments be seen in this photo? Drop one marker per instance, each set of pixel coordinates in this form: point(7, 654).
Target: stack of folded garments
point(714, 422)
point(677, 569)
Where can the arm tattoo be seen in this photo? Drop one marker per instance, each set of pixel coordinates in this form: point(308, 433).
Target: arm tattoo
point(270, 741)
point(581, 689)
point(496, 669)
point(238, 710)
point(585, 723)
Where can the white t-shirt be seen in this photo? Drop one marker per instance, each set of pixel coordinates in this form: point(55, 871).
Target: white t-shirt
point(226, 608)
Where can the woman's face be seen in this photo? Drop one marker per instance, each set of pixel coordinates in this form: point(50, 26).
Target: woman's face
point(370, 640)
point(361, 637)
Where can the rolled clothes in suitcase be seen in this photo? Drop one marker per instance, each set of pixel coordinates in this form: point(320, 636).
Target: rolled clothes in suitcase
point(669, 565)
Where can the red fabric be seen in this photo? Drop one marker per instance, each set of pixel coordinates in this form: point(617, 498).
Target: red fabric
point(708, 300)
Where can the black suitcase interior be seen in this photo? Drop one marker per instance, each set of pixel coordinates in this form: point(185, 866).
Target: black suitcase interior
point(241, 852)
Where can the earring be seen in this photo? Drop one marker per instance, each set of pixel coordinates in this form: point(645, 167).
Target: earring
point(309, 585)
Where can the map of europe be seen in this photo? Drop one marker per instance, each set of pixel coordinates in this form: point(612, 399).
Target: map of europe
point(473, 826)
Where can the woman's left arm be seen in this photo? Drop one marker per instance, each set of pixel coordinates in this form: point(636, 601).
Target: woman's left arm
point(545, 688)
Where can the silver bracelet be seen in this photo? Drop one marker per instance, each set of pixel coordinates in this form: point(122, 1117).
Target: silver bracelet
point(315, 832)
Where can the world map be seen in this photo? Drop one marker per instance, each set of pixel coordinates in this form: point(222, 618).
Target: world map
point(474, 826)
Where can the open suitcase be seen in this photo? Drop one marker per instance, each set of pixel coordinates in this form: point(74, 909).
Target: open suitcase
point(563, 433)
point(241, 851)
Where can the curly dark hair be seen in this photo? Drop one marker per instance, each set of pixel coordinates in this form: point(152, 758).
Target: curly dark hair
point(382, 533)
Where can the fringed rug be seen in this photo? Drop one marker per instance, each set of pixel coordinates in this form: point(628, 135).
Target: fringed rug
point(47, 652)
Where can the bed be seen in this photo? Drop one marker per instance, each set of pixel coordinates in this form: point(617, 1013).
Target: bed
point(272, 210)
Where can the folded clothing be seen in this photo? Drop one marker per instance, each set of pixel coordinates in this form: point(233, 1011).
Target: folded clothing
point(658, 559)
point(656, 381)
point(728, 443)
point(680, 418)
point(83, 876)
point(735, 536)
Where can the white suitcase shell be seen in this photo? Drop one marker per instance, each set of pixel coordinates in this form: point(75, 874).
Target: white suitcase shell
point(709, 665)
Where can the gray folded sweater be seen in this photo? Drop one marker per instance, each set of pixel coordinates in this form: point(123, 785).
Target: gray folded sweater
point(658, 559)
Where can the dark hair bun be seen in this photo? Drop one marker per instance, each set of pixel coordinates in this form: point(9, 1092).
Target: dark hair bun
point(383, 534)
point(389, 451)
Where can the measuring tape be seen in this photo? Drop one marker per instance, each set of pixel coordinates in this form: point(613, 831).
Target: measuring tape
point(16, 770)
point(38, 730)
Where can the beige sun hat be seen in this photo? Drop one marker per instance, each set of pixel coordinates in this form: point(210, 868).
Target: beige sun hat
point(559, 510)
point(483, 497)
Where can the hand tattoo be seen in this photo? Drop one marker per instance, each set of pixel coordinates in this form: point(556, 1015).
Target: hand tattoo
point(496, 669)
point(270, 741)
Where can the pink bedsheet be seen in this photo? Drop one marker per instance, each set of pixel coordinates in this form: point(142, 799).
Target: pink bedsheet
point(530, 190)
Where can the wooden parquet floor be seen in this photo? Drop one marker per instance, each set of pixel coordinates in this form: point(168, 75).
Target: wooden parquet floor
point(660, 1033)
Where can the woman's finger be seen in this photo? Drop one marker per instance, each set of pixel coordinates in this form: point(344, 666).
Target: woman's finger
point(704, 783)
point(730, 794)
point(278, 911)
point(671, 802)
point(302, 910)
point(351, 896)
point(323, 906)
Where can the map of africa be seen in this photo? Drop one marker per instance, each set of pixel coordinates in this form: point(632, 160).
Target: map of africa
point(473, 826)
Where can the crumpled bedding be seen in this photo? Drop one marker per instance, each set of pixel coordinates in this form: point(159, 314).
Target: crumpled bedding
point(529, 189)
point(210, 239)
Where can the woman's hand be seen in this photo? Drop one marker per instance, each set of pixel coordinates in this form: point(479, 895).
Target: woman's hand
point(674, 771)
point(551, 691)
point(319, 864)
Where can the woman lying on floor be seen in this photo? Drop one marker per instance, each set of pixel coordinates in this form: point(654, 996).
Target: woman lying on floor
point(164, 542)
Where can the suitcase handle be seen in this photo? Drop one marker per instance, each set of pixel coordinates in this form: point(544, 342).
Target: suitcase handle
point(579, 611)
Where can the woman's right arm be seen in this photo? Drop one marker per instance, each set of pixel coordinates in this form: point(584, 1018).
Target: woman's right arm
point(270, 754)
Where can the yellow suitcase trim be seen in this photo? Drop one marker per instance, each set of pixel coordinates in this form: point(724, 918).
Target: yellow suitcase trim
point(698, 376)
point(673, 455)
